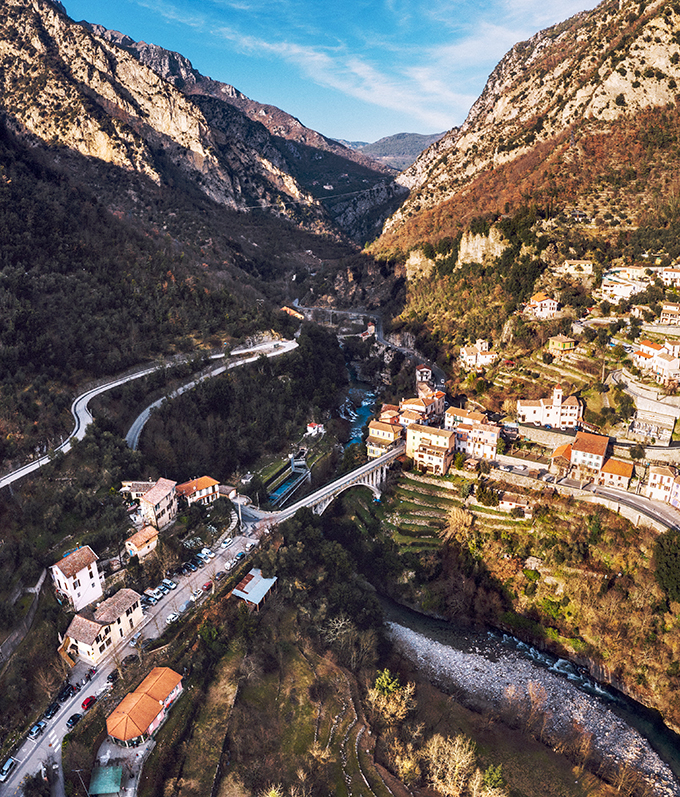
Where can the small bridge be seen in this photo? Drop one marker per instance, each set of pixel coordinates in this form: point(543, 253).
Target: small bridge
point(371, 475)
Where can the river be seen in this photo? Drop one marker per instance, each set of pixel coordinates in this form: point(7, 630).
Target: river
point(358, 407)
point(498, 673)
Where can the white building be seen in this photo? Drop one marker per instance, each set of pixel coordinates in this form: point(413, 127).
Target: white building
point(542, 306)
point(454, 416)
point(76, 576)
point(660, 483)
point(199, 491)
point(662, 361)
point(588, 452)
point(670, 276)
point(474, 358)
point(478, 440)
point(558, 412)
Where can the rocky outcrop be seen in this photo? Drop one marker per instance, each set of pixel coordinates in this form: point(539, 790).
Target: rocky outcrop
point(481, 248)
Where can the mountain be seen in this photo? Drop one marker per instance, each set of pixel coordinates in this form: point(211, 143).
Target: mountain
point(400, 150)
point(580, 109)
point(146, 110)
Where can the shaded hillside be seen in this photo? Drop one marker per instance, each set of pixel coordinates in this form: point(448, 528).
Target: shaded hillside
point(325, 168)
point(596, 76)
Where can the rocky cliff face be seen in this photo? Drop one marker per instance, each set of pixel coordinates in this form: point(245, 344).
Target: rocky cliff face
point(147, 110)
point(595, 69)
point(67, 86)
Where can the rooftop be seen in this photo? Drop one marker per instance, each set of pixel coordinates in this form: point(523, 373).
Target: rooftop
point(78, 560)
point(132, 716)
point(112, 608)
point(83, 630)
point(254, 587)
point(618, 468)
point(159, 491)
point(193, 486)
point(159, 683)
point(590, 443)
point(143, 536)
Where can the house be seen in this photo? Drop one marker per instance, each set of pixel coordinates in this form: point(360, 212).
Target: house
point(662, 361)
point(542, 306)
point(670, 276)
point(558, 412)
point(426, 406)
point(509, 501)
point(560, 460)
point(660, 482)
point(455, 415)
point(474, 358)
point(135, 490)
point(616, 473)
point(159, 504)
point(92, 632)
point(559, 345)
point(316, 429)
point(477, 440)
point(140, 713)
point(389, 413)
point(381, 438)
point(576, 268)
point(369, 332)
point(588, 453)
point(423, 373)
point(77, 578)
point(199, 491)
point(254, 588)
point(670, 314)
point(430, 448)
point(143, 542)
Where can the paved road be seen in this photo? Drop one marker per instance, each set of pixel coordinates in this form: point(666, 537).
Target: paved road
point(83, 417)
point(47, 748)
point(656, 510)
point(269, 349)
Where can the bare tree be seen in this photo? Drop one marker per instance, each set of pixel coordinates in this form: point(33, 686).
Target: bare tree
point(451, 763)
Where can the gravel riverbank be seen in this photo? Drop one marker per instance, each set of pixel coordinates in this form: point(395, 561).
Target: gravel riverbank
point(508, 685)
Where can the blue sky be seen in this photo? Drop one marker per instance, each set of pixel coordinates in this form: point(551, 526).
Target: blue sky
point(352, 69)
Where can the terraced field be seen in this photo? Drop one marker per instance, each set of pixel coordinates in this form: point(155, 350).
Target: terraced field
point(419, 506)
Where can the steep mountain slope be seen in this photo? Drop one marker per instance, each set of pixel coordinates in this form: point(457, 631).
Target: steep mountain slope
point(536, 121)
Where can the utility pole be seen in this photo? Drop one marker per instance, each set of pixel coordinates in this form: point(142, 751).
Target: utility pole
point(81, 780)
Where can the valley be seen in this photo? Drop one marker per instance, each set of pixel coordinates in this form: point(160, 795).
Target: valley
point(374, 484)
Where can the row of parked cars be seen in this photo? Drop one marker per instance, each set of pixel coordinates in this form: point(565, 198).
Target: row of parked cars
point(66, 691)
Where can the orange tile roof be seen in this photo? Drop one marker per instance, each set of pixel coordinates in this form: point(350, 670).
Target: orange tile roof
point(539, 297)
point(618, 468)
point(143, 536)
point(562, 451)
point(132, 716)
point(189, 488)
point(590, 443)
point(159, 683)
point(78, 560)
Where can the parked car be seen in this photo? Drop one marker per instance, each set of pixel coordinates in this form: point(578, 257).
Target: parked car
point(250, 546)
point(162, 588)
point(185, 607)
point(135, 639)
point(197, 562)
point(207, 552)
point(220, 575)
point(88, 703)
point(169, 584)
point(149, 642)
point(239, 556)
point(37, 729)
point(67, 691)
point(148, 600)
point(226, 543)
point(7, 767)
point(191, 566)
point(51, 710)
point(128, 661)
point(73, 720)
point(173, 617)
point(112, 677)
point(196, 594)
point(207, 586)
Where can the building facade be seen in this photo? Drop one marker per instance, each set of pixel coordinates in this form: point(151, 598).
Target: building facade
point(159, 504)
point(78, 579)
point(199, 491)
point(558, 412)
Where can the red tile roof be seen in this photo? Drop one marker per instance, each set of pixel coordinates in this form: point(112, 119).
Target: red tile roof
point(78, 560)
point(590, 443)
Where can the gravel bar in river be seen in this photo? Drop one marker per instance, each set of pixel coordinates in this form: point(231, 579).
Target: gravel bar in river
point(496, 683)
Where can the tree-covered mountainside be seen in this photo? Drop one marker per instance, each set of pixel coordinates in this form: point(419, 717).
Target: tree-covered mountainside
point(226, 424)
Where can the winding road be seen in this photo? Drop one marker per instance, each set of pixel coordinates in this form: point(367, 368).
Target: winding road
point(83, 417)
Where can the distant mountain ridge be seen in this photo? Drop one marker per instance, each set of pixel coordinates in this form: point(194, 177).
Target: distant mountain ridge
point(398, 151)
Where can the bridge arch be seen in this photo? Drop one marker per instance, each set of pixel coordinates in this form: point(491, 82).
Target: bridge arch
point(323, 505)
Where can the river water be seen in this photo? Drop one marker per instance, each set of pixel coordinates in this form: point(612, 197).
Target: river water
point(499, 673)
point(358, 407)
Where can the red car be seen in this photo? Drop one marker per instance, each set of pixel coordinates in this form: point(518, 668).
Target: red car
point(207, 586)
point(89, 702)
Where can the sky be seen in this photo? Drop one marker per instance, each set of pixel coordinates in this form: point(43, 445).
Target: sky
point(350, 69)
